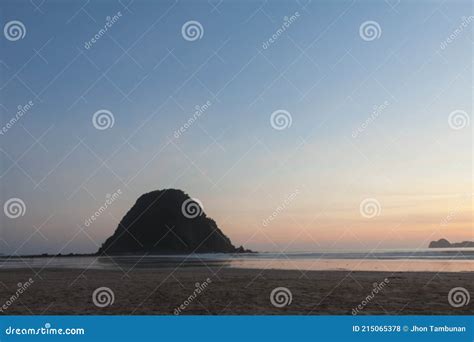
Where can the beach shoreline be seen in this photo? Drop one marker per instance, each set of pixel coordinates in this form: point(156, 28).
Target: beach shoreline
point(230, 291)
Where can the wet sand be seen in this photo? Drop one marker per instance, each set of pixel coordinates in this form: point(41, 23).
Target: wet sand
point(231, 292)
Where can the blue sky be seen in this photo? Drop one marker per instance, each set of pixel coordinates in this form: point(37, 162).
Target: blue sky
point(319, 70)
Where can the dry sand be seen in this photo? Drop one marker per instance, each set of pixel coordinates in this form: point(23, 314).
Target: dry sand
point(232, 292)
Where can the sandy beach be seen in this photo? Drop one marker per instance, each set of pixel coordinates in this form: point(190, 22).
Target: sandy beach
point(231, 292)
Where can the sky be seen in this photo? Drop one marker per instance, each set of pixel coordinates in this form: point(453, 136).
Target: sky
point(299, 126)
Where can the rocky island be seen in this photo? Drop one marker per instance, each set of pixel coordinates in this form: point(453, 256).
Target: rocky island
point(167, 222)
point(443, 243)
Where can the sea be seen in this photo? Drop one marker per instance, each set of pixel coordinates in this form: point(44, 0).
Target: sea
point(420, 260)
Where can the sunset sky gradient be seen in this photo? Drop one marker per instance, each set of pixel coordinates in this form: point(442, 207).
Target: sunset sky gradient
point(407, 157)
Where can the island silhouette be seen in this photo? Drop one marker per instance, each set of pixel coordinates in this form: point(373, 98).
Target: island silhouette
point(167, 222)
point(443, 243)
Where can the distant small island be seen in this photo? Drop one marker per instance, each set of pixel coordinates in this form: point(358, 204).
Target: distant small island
point(167, 222)
point(443, 243)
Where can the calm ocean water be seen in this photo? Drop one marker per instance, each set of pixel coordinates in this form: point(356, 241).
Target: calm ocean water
point(439, 260)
